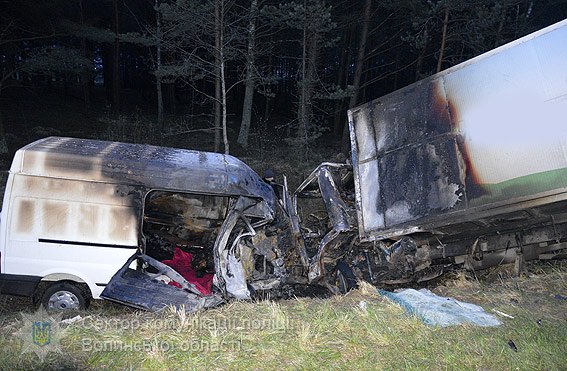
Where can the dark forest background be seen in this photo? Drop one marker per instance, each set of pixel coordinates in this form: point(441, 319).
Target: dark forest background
point(260, 79)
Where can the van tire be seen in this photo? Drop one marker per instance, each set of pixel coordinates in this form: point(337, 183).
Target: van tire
point(345, 278)
point(63, 296)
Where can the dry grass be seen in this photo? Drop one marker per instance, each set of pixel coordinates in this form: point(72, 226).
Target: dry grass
point(360, 330)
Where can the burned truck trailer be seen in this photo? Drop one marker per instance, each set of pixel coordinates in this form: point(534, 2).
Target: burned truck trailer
point(465, 168)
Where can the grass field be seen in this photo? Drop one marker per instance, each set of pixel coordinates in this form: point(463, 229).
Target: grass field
point(360, 330)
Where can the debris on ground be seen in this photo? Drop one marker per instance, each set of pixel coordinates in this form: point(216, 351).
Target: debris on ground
point(513, 346)
point(502, 314)
point(68, 321)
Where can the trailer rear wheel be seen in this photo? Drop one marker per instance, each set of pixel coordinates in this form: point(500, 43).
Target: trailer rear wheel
point(345, 278)
point(63, 296)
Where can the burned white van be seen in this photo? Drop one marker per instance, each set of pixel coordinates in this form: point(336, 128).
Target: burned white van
point(75, 211)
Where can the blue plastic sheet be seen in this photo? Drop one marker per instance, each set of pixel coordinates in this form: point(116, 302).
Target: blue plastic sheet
point(440, 311)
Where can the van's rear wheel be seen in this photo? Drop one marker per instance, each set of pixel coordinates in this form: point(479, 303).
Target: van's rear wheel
point(63, 296)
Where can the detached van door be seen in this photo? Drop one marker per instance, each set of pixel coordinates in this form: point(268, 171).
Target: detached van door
point(149, 291)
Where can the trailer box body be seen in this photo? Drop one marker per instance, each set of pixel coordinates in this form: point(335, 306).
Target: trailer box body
point(487, 137)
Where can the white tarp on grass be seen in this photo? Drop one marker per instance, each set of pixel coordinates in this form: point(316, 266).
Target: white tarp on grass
point(441, 311)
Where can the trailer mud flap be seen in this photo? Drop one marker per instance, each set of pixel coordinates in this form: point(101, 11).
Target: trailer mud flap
point(147, 291)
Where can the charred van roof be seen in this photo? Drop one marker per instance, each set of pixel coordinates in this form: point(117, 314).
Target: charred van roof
point(150, 166)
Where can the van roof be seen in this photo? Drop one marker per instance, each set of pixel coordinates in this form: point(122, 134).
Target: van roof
point(139, 164)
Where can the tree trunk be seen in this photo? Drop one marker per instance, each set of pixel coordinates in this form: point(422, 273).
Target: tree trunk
point(268, 106)
point(421, 56)
point(170, 98)
point(500, 26)
point(338, 119)
point(249, 83)
point(312, 61)
point(116, 62)
point(224, 128)
point(159, 103)
point(443, 40)
point(85, 79)
point(223, 81)
point(107, 67)
point(397, 68)
point(358, 64)
point(302, 128)
point(218, 117)
point(158, 67)
point(3, 144)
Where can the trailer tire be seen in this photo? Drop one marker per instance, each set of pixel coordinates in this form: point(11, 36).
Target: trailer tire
point(63, 296)
point(345, 278)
